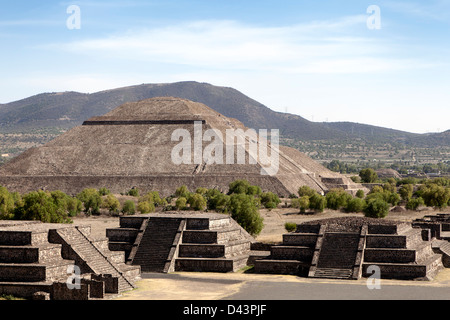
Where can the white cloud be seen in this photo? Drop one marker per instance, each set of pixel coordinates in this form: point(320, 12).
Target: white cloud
point(317, 47)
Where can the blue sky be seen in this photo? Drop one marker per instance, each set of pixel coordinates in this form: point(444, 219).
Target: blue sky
point(317, 59)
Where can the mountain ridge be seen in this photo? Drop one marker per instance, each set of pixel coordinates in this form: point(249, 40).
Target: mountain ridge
point(69, 109)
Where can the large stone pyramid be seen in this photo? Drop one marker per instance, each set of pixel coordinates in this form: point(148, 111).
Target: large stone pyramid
point(132, 146)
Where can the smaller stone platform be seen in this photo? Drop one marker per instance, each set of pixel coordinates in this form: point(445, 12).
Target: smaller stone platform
point(37, 259)
point(187, 241)
point(346, 248)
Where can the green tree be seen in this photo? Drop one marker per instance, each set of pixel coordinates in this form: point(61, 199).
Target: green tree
point(377, 208)
point(356, 205)
point(360, 194)
point(134, 192)
point(217, 201)
point(111, 203)
point(181, 203)
point(414, 203)
point(337, 199)
point(270, 200)
point(406, 191)
point(41, 206)
point(6, 204)
point(91, 200)
point(317, 202)
point(197, 202)
point(239, 187)
point(435, 195)
point(306, 191)
point(182, 191)
point(145, 207)
point(244, 210)
point(129, 207)
point(368, 175)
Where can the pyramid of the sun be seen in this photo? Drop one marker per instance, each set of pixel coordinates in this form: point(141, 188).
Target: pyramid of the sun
point(133, 146)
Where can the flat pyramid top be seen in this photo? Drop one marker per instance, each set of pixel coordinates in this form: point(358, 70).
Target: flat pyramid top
point(167, 108)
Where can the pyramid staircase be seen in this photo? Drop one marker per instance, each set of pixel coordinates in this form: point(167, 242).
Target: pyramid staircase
point(182, 242)
point(334, 252)
point(35, 259)
point(154, 247)
point(89, 256)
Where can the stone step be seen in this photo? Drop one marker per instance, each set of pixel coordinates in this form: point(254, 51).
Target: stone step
point(333, 273)
point(406, 271)
point(288, 267)
point(211, 264)
point(34, 272)
point(301, 253)
point(219, 236)
point(22, 238)
point(394, 241)
point(30, 254)
point(300, 239)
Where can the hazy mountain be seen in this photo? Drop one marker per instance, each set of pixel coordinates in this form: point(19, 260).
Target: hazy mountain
point(69, 109)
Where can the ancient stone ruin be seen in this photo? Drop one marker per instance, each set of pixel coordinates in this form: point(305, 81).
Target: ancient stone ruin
point(37, 259)
point(346, 248)
point(182, 242)
point(132, 146)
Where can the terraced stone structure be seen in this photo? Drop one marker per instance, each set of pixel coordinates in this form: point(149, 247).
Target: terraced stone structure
point(37, 259)
point(131, 146)
point(346, 248)
point(189, 241)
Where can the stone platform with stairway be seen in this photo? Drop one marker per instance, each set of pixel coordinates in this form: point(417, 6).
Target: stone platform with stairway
point(37, 260)
point(187, 241)
point(348, 248)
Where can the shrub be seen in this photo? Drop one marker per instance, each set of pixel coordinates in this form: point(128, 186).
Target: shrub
point(133, 192)
point(41, 206)
point(270, 200)
point(317, 202)
point(217, 201)
point(111, 203)
point(244, 210)
point(377, 208)
point(406, 191)
point(6, 204)
point(414, 203)
point(435, 195)
point(181, 202)
point(356, 205)
point(301, 203)
point(306, 191)
point(360, 194)
point(145, 207)
point(129, 207)
point(182, 191)
point(290, 226)
point(197, 202)
point(104, 191)
point(337, 199)
point(91, 200)
point(368, 175)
